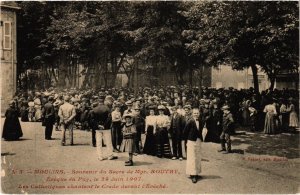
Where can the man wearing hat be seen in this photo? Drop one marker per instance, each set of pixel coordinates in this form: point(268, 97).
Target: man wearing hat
point(187, 114)
point(101, 129)
point(227, 128)
point(193, 133)
point(116, 127)
point(49, 117)
point(139, 122)
point(177, 125)
point(129, 109)
point(67, 114)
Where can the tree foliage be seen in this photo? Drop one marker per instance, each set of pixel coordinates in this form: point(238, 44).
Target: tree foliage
point(105, 36)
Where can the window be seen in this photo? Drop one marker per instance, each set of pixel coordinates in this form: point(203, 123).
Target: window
point(7, 35)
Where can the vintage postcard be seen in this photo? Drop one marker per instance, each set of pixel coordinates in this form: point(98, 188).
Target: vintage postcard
point(149, 97)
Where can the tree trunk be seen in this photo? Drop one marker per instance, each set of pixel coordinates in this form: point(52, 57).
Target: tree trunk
point(200, 81)
point(62, 68)
point(190, 74)
point(272, 80)
point(255, 78)
point(105, 69)
point(136, 78)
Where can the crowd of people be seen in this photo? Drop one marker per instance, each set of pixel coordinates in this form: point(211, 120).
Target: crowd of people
point(117, 118)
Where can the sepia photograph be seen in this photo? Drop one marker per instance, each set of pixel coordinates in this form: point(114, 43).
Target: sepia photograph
point(149, 97)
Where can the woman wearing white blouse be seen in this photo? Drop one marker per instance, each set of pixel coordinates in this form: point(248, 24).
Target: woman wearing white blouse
point(150, 130)
point(162, 139)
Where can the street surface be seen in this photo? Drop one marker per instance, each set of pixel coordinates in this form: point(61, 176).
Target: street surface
point(259, 164)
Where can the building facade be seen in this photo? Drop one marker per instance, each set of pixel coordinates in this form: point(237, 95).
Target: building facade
point(8, 52)
point(225, 77)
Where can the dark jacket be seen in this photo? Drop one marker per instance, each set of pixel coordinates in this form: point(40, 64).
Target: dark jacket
point(227, 123)
point(100, 115)
point(177, 125)
point(191, 132)
point(48, 113)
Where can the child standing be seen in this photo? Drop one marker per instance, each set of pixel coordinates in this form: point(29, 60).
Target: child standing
point(129, 131)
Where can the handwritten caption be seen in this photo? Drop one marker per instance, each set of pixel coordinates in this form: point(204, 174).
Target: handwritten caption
point(265, 159)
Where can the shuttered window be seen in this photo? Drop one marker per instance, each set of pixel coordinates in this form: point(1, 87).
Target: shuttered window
point(7, 36)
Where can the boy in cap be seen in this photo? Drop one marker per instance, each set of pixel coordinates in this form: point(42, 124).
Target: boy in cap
point(227, 128)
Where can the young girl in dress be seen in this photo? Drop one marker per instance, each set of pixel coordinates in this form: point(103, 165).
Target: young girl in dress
point(129, 131)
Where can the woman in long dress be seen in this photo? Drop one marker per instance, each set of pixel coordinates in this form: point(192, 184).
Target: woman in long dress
point(150, 129)
point(12, 129)
point(38, 107)
point(293, 120)
point(270, 111)
point(246, 112)
point(284, 115)
point(24, 111)
point(162, 139)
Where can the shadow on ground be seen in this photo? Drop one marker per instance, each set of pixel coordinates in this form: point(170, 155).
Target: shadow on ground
point(7, 154)
point(282, 145)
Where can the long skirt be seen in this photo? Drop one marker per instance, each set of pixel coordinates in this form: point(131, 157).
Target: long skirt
point(163, 143)
point(150, 144)
point(285, 121)
point(269, 123)
point(116, 134)
point(38, 113)
point(12, 129)
point(193, 160)
point(294, 122)
point(246, 117)
point(24, 114)
point(127, 145)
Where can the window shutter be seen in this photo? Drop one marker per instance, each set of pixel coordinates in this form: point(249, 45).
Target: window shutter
point(7, 35)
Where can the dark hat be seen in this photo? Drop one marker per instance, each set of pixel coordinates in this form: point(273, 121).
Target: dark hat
point(12, 102)
point(188, 106)
point(94, 104)
point(117, 104)
point(128, 115)
point(50, 98)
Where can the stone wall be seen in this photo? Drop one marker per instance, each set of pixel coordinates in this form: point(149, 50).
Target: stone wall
point(8, 60)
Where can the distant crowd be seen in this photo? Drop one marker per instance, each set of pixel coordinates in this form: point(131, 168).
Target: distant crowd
point(158, 112)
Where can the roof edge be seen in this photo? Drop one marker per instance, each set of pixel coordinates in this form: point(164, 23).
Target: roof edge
point(9, 7)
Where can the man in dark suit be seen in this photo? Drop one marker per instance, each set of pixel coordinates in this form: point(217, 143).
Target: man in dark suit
point(193, 134)
point(176, 131)
point(101, 117)
point(49, 117)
